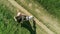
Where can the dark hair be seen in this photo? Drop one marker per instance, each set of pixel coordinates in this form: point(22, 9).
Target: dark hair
point(19, 19)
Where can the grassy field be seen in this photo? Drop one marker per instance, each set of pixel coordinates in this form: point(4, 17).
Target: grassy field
point(9, 26)
point(52, 6)
point(7, 23)
point(46, 11)
point(48, 15)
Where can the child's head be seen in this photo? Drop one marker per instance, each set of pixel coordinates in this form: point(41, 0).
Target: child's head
point(18, 14)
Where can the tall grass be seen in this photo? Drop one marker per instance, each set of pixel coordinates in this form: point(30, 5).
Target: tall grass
point(52, 6)
point(7, 23)
point(50, 9)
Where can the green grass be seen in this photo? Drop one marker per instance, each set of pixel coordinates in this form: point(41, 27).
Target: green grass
point(52, 10)
point(7, 24)
point(52, 6)
point(25, 5)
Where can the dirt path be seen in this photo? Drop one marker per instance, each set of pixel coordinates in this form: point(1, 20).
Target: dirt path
point(14, 3)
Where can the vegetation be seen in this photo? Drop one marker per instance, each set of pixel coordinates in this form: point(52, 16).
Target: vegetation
point(51, 9)
point(9, 26)
point(52, 6)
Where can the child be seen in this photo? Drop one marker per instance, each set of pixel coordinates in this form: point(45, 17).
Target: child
point(21, 17)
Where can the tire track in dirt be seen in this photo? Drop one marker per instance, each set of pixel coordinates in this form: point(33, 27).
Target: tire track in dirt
point(15, 4)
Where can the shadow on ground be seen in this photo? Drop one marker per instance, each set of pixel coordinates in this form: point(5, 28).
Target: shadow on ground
point(27, 25)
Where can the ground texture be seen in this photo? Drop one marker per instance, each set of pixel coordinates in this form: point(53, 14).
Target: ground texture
point(45, 23)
